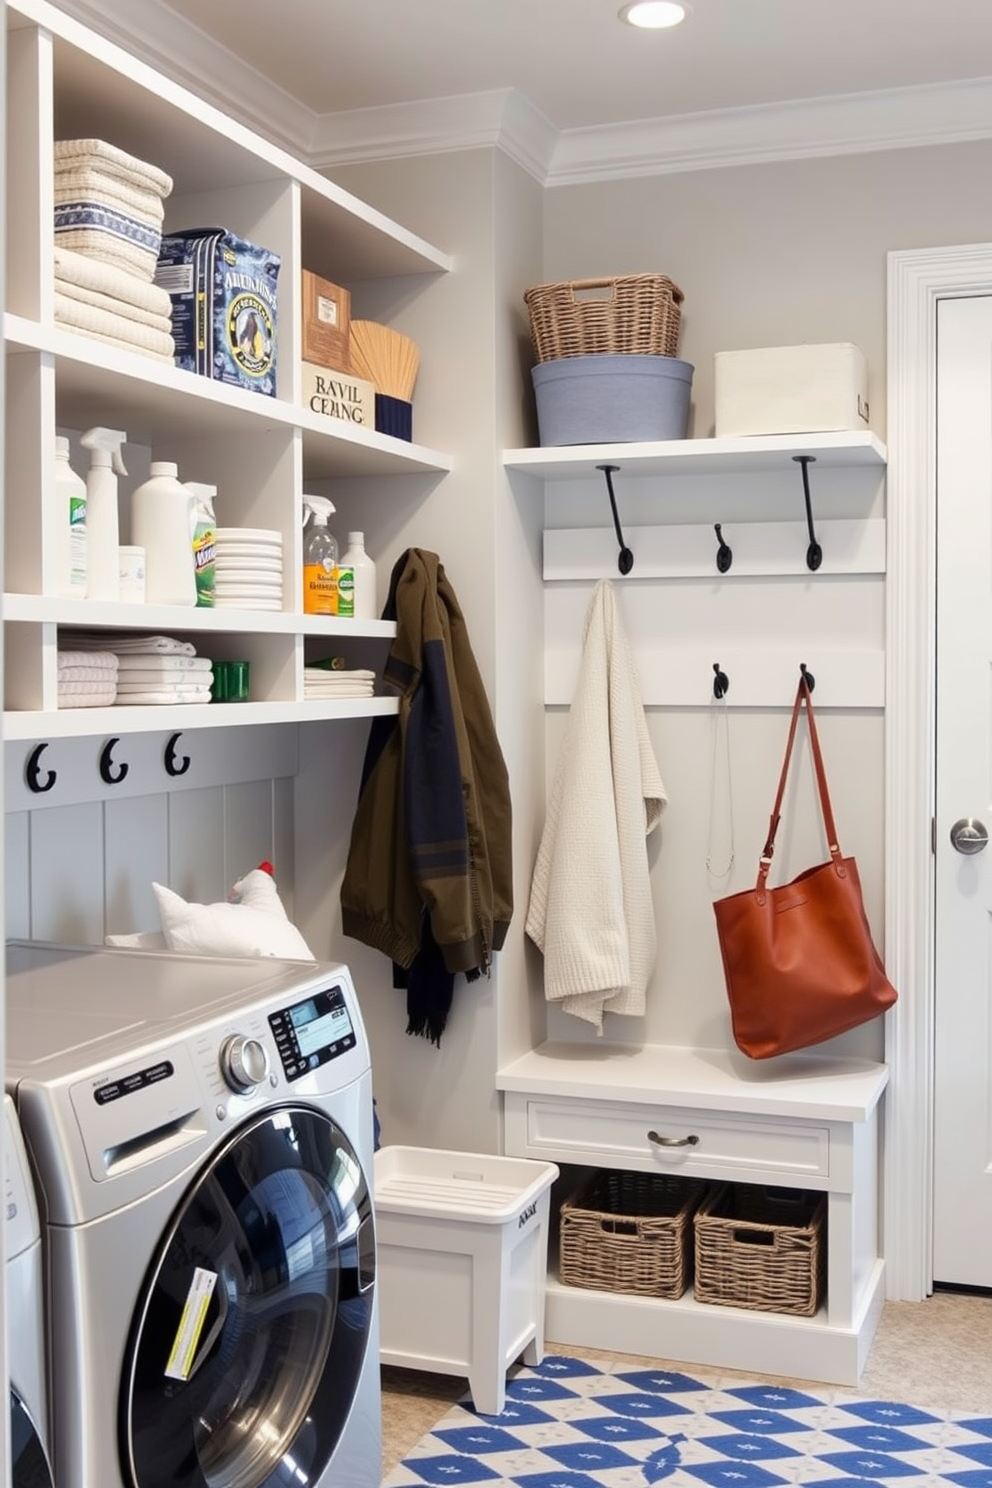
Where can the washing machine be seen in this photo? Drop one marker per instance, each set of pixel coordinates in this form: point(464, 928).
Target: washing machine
point(24, 1315)
point(200, 1132)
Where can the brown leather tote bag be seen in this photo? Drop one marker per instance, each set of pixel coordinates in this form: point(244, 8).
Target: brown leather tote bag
point(799, 962)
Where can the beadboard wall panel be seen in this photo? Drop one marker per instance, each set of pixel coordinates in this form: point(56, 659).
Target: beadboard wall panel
point(81, 858)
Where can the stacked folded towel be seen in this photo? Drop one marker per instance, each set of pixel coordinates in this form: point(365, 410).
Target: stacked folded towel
point(152, 669)
point(86, 679)
point(324, 682)
point(109, 209)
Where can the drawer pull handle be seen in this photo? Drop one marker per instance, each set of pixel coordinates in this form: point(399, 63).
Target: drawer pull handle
point(689, 1141)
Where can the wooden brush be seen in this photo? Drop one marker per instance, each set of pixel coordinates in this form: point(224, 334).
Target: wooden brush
point(386, 357)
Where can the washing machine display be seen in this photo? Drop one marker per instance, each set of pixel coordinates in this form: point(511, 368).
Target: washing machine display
point(253, 1326)
point(310, 1033)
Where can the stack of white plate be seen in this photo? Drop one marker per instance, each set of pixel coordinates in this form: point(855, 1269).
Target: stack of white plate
point(248, 569)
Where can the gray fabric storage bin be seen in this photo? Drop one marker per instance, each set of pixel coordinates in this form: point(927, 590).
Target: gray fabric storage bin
point(607, 399)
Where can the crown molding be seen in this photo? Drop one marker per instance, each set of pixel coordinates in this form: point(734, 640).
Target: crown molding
point(849, 124)
point(504, 119)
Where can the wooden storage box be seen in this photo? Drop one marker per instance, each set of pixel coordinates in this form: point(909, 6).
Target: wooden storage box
point(791, 390)
point(761, 1248)
point(630, 1232)
point(326, 323)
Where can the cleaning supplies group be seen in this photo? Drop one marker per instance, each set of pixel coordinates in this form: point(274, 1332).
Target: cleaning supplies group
point(333, 585)
point(172, 524)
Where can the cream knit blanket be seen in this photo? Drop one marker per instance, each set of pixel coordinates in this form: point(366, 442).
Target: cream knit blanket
point(113, 161)
point(108, 326)
point(591, 909)
point(97, 186)
point(65, 289)
point(86, 272)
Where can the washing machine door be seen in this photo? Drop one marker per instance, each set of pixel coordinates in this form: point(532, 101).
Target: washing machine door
point(29, 1465)
point(250, 1336)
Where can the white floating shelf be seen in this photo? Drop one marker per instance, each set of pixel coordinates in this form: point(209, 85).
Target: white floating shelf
point(83, 722)
point(845, 450)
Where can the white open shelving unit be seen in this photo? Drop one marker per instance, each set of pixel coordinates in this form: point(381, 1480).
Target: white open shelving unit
point(261, 452)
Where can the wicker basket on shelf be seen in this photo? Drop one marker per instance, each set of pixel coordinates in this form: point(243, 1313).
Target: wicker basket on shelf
point(761, 1248)
point(638, 314)
point(630, 1232)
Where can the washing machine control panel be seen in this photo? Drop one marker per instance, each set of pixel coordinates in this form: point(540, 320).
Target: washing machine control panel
point(312, 1032)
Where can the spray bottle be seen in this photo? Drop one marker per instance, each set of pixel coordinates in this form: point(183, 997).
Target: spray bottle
point(70, 490)
point(204, 541)
point(102, 521)
point(320, 559)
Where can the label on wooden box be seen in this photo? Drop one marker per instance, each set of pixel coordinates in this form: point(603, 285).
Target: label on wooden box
point(326, 323)
point(338, 395)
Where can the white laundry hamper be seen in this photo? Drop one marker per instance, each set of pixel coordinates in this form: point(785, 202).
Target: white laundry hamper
point(462, 1242)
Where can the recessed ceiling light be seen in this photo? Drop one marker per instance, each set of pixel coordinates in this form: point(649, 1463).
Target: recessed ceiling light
point(654, 15)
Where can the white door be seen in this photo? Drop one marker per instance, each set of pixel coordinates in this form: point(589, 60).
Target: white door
point(962, 1198)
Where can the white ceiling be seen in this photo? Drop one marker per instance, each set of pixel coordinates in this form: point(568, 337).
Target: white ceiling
point(567, 89)
point(580, 67)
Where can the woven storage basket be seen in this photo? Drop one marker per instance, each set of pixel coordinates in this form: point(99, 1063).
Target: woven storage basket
point(761, 1248)
point(641, 313)
point(630, 1232)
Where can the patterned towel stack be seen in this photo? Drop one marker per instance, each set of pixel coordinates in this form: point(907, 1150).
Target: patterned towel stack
point(109, 210)
point(153, 669)
point(86, 679)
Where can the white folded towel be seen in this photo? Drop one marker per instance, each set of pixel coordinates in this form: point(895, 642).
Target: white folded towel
point(166, 661)
point(129, 645)
point(114, 161)
point(83, 687)
point(106, 662)
point(101, 676)
point(107, 324)
point(102, 699)
point(321, 674)
point(166, 695)
point(142, 681)
point(91, 273)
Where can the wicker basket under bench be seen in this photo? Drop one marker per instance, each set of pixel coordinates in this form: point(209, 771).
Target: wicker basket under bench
point(630, 1232)
point(761, 1248)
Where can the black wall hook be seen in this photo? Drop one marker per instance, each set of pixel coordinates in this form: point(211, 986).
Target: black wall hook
point(724, 554)
point(173, 765)
point(810, 679)
point(721, 682)
point(32, 774)
point(625, 558)
point(814, 553)
point(107, 771)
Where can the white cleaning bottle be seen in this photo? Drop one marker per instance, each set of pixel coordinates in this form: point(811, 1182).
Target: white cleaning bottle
point(162, 523)
point(320, 560)
point(103, 575)
point(356, 558)
point(70, 493)
point(204, 538)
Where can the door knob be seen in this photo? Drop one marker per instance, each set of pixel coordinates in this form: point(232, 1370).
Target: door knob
point(969, 836)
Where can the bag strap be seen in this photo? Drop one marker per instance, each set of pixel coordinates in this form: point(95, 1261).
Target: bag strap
point(765, 861)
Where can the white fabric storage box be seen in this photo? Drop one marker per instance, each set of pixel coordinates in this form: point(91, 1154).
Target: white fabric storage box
point(462, 1244)
point(791, 390)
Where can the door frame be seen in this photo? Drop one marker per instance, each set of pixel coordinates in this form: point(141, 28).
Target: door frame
point(917, 280)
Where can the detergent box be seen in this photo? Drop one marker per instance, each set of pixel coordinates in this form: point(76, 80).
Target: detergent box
point(224, 305)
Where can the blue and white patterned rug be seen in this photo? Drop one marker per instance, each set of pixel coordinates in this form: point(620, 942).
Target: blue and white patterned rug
point(569, 1424)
